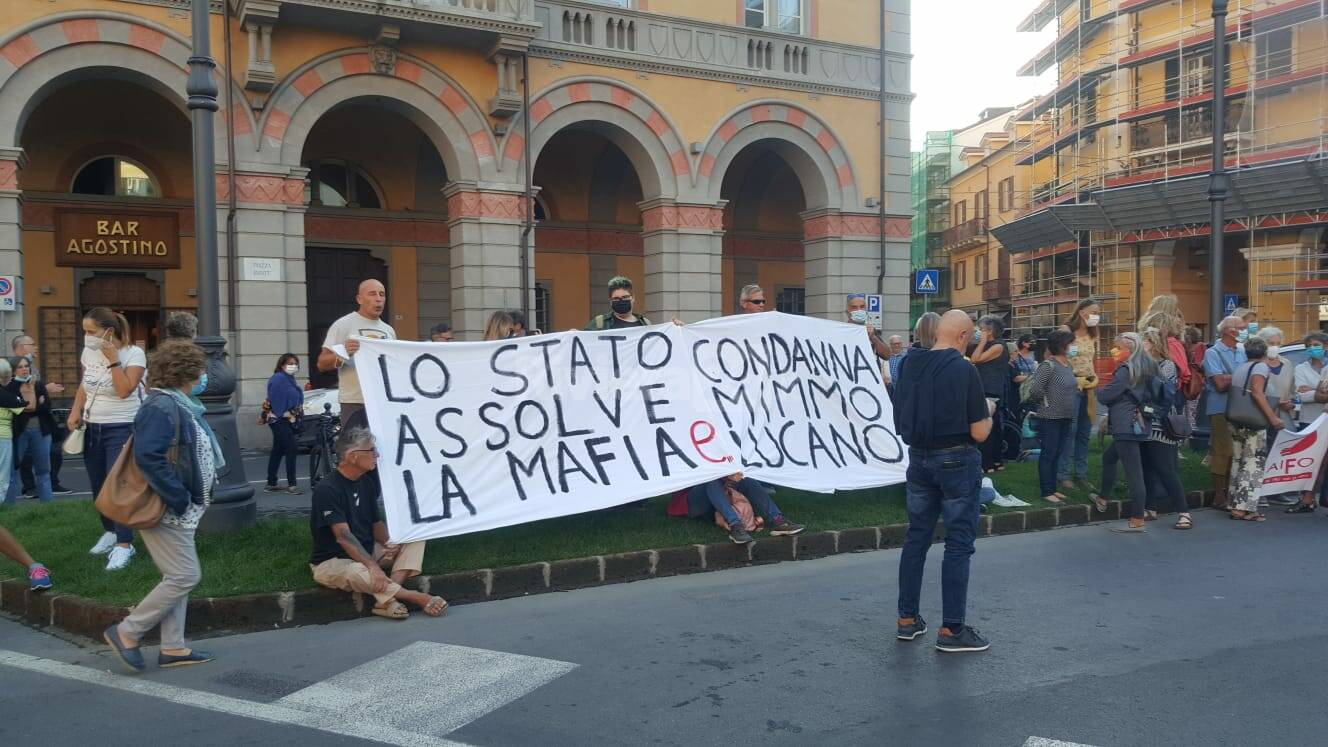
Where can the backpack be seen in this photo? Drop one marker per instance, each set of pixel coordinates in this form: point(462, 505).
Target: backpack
point(599, 322)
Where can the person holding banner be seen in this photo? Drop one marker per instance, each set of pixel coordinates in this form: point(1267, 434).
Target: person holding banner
point(1312, 391)
point(365, 322)
point(351, 547)
point(620, 302)
point(441, 332)
point(942, 414)
point(1248, 402)
point(501, 326)
point(751, 300)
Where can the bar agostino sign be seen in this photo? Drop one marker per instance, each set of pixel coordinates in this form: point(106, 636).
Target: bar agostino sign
point(480, 435)
point(112, 238)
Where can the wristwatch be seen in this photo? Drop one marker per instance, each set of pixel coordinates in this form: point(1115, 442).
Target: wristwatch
point(114, 365)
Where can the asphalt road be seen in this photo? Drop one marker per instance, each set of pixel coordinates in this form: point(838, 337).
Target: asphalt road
point(1205, 637)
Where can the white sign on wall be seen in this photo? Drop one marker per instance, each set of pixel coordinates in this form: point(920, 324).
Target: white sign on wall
point(260, 268)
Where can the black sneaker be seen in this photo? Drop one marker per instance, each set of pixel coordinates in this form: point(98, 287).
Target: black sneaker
point(782, 527)
point(909, 632)
point(60, 490)
point(740, 536)
point(968, 639)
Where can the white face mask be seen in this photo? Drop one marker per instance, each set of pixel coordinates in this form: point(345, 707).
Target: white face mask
point(292, 369)
point(1274, 351)
point(1093, 319)
point(858, 316)
point(92, 342)
point(1074, 350)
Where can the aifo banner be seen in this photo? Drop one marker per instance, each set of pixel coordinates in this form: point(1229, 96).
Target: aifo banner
point(479, 435)
point(1295, 458)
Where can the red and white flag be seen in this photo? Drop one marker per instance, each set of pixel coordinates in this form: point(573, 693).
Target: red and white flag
point(1295, 459)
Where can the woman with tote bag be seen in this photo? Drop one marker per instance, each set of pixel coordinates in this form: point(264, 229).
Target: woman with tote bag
point(177, 454)
point(1251, 418)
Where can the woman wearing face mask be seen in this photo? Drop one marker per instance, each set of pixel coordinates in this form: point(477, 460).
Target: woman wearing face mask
point(1312, 390)
point(992, 360)
point(1055, 395)
point(1248, 442)
point(1083, 323)
point(286, 408)
point(32, 430)
point(1121, 349)
point(105, 406)
point(183, 480)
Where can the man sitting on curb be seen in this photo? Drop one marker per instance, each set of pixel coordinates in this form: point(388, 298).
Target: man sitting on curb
point(345, 521)
point(708, 497)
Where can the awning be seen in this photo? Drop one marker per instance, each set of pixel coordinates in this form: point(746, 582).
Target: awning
point(1284, 187)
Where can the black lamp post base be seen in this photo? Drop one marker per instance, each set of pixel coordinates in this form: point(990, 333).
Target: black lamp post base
point(228, 517)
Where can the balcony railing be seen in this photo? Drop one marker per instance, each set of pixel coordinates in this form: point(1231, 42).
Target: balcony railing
point(996, 290)
point(966, 233)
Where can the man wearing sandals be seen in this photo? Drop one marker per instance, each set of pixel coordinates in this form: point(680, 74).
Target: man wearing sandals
point(345, 523)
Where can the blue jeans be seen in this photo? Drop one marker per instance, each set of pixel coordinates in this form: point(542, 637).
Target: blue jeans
point(1053, 442)
point(6, 464)
point(941, 484)
point(1076, 443)
point(709, 496)
point(31, 443)
point(101, 447)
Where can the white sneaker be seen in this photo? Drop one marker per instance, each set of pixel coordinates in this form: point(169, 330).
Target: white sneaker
point(104, 544)
point(119, 557)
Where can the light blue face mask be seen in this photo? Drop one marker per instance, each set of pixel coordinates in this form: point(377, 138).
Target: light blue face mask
point(201, 386)
point(977, 336)
point(1315, 352)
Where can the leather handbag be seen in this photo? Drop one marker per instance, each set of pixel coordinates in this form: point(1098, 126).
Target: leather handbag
point(1242, 410)
point(126, 497)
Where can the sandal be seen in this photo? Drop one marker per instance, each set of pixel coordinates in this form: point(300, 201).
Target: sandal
point(1150, 515)
point(1248, 516)
point(1129, 529)
point(1053, 500)
point(393, 611)
point(1184, 522)
point(1301, 508)
point(1060, 495)
point(1099, 503)
point(436, 607)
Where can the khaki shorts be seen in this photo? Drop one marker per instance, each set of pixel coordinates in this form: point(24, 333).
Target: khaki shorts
point(344, 574)
point(1219, 446)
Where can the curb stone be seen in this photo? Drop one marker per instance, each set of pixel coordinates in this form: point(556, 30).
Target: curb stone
point(211, 616)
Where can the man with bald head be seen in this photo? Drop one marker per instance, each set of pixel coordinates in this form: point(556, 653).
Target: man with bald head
point(366, 322)
point(941, 412)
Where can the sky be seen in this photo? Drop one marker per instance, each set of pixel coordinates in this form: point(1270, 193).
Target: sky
point(965, 56)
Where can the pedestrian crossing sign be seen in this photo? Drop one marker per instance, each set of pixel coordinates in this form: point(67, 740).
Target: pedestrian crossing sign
point(927, 282)
point(1229, 303)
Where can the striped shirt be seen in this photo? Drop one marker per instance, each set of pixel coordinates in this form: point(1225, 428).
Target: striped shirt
point(1055, 391)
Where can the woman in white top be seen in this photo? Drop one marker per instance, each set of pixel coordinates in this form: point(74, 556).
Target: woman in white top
point(1282, 381)
point(105, 405)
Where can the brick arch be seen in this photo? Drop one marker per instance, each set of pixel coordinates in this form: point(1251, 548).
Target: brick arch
point(35, 59)
point(439, 106)
point(625, 116)
point(816, 154)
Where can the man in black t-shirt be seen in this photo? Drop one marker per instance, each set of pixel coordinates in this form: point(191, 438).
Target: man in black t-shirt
point(942, 414)
point(351, 546)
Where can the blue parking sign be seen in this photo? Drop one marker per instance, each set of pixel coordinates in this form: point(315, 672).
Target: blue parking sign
point(927, 282)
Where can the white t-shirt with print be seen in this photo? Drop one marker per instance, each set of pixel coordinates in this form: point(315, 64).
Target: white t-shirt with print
point(348, 326)
point(105, 406)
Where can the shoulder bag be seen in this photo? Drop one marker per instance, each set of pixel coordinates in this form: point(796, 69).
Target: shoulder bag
point(1242, 410)
point(127, 498)
point(73, 445)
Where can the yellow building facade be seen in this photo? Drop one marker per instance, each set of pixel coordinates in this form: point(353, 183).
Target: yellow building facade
point(692, 146)
point(1118, 154)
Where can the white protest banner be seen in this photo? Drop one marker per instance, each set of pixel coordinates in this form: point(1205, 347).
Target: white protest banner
point(1295, 459)
point(480, 435)
point(800, 399)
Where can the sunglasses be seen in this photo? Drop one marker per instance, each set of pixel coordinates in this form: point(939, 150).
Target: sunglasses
point(756, 301)
point(364, 451)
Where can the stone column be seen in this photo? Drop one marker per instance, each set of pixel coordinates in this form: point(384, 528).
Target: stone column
point(485, 255)
point(271, 310)
point(842, 255)
point(12, 161)
point(683, 252)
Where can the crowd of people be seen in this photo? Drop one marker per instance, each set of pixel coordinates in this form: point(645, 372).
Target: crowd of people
point(962, 392)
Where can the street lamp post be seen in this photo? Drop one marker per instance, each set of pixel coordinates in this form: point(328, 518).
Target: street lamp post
point(233, 497)
point(1217, 180)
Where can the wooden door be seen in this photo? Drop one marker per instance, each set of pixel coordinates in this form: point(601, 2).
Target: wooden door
point(333, 277)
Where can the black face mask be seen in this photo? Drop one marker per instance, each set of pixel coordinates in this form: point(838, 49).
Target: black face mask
point(621, 305)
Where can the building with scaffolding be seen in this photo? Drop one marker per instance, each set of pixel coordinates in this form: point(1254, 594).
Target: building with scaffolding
point(941, 157)
point(1117, 157)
